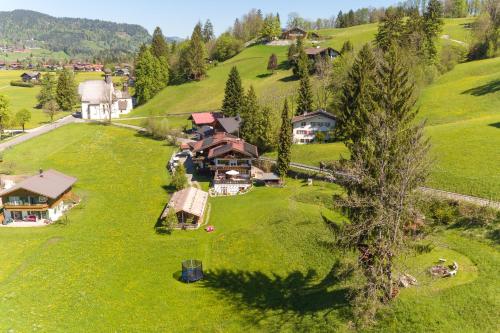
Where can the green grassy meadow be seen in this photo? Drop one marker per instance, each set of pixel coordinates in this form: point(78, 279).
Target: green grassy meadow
point(207, 94)
point(21, 97)
point(269, 265)
point(462, 111)
point(179, 122)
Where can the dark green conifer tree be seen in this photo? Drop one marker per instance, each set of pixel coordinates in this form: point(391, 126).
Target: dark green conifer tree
point(284, 142)
point(159, 45)
point(305, 95)
point(196, 53)
point(233, 96)
point(145, 69)
point(390, 29)
point(388, 161)
point(433, 24)
point(357, 98)
point(66, 93)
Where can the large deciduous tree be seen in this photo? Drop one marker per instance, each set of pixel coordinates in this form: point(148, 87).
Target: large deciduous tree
point(51, 109)
point(48, 89)
point(5, 116)
point(234, 94)
point(22, 117)
point(272, 63)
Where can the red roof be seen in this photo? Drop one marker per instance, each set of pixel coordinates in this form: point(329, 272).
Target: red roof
point(203, 118)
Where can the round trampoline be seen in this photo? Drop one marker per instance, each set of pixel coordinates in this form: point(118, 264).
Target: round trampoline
point(192, 270)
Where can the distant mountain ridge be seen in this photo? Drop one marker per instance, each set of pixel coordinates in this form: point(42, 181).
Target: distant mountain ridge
point(78, 37)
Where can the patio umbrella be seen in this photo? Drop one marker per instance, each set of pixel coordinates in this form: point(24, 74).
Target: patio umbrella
point(232, 173)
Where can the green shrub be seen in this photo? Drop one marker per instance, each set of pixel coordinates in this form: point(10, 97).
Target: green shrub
point(471, 215)
point(22, 84)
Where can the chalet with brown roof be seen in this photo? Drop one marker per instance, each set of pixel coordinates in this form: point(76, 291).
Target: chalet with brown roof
point(45, 196)
point(228, 159)
point(323, 52)
point(294, 33)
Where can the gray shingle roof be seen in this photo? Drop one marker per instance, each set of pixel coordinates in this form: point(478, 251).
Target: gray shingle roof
point(50, 183)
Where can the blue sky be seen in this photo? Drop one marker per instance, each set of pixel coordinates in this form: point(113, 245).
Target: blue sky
point(177, 18)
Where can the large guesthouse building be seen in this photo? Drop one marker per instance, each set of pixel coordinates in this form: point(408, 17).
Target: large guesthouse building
point(228, 159)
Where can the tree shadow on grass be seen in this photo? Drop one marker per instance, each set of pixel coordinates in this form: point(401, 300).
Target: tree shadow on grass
point(264, 75)
point(289, 78)
point(488, 88)
point(285, 300)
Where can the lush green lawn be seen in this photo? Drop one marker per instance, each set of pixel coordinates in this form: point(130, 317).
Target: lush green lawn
point(21, 97)
point(268, 266)
point(207, 94)
point(179, 122)
point(466, 156)
point(313, 154)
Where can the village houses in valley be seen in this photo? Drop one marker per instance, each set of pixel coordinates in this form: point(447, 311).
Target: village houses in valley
point(99, 96)
point(40, 198)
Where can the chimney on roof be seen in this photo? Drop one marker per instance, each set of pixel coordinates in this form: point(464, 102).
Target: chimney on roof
point(40, 172)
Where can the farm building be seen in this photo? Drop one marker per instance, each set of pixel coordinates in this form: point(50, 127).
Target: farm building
point(189, 205)
point(31, 76)
point(45, 196)
point(294, 33)
point(323, 52)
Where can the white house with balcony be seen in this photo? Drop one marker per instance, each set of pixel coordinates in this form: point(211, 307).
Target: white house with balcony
point(307, 125)
point(97, 96)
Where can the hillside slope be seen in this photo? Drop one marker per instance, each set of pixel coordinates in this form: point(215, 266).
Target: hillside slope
point(74, 36)
point(462, 110)
point(252, 62)
point(208, 93)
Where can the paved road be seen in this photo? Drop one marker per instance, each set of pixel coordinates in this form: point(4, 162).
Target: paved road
point(32, 133)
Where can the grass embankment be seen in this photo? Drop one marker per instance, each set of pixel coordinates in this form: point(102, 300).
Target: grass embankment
point(178, 122)
point(268, 266)
point(21, 97)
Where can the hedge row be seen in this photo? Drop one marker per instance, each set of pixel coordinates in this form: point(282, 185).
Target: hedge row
point(22, 84)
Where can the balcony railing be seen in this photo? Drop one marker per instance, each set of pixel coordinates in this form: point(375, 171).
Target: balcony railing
point(21, 203)
point(232, 181)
